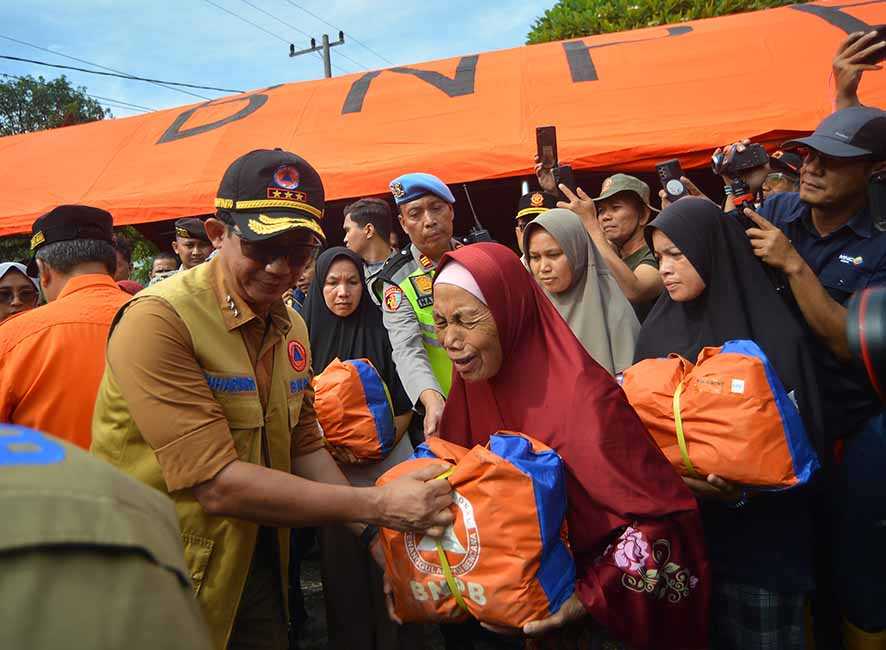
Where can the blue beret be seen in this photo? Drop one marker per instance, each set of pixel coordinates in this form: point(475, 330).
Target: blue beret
point(410, 187)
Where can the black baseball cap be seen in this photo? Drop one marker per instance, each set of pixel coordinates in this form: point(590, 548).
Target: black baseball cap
point(786, 162)
point(853, 132)
point(191, 228)
point(67, 222)
point(533, 204)
point(269, 192)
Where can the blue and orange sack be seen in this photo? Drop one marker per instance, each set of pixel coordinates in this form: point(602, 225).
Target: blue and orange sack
point(728, 414)
point(354, 409)
point(503, 561)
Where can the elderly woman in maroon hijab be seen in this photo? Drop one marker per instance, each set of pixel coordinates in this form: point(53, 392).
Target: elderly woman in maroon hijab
point(634, 528)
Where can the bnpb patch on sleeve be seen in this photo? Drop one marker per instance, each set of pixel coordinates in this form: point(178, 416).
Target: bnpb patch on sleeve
point(393, 298)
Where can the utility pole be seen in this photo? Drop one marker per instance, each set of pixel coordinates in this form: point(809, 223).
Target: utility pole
point(324, 48)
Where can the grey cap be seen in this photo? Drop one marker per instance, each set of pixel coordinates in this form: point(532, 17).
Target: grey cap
point(849, 133)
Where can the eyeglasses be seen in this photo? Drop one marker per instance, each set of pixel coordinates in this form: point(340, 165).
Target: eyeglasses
point(779, 177)
point(268, 251)
point(25, 296)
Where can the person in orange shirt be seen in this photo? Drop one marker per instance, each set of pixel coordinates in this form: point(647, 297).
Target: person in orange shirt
point(52, 358)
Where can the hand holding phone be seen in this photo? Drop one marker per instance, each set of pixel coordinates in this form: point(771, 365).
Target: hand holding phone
point(670, 174)
point(546, 142)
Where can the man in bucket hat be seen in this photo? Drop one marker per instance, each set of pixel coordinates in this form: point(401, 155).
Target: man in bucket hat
point(615, 221)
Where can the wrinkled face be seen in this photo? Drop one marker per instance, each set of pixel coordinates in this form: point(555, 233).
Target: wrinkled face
point(342, 289)
point(262, 271)
point(163, 265)
point(428, 222)
point(124, 268)
point(191, 251)
point(621, 216)
point(831, 182)
point(681, 280)
point(17, 294)
point(548, 262)
point(357, 237)
point(777, 182)
point(468, 333)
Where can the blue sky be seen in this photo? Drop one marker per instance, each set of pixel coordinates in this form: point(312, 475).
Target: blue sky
point(195, 42)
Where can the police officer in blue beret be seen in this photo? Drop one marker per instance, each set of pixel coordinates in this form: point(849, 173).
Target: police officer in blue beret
point(404, 288)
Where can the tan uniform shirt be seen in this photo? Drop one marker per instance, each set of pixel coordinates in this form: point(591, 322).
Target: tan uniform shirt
point(167, 393)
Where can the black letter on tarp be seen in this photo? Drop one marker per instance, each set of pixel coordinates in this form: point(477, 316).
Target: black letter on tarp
point(461, 84)
point(581, 65)
point(174, 131)
point(837, 18)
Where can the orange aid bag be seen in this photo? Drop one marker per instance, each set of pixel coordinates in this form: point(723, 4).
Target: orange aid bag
point(503, 561)
point(354, 409)
point(727, 415)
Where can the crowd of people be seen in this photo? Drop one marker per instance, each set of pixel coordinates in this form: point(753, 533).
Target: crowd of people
point(200, 386)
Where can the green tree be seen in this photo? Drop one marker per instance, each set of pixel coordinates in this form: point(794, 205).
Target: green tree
point(578, 18)
point(28, 104)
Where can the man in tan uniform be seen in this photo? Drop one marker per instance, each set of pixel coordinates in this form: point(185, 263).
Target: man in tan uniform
point(207, 396)
point(90, 559)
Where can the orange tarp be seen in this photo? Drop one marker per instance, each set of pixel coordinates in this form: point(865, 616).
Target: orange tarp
point(619, 101)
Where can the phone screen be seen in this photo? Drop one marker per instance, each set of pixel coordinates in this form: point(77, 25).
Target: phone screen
point(546, 140)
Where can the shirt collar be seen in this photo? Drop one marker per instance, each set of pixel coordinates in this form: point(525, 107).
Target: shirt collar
point(87, 281)
point(426, 262)
point(235, 311)
point(860, 223)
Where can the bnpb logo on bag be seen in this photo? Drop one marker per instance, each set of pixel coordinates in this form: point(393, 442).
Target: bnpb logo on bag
point(513, 490)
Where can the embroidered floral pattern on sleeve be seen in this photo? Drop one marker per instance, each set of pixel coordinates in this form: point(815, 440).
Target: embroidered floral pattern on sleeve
point(648, 570)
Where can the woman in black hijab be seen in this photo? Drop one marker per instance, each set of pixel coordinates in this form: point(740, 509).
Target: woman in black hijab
point(344, 323)
point(760, 547)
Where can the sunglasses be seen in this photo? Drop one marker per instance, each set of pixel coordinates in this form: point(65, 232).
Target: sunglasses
point(25, 296)
point(269, 251)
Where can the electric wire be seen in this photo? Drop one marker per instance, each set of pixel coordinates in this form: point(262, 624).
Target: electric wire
point(351, 36)
point(300, 31)
point(108, 101)
point(119, 76)
point(96, 65)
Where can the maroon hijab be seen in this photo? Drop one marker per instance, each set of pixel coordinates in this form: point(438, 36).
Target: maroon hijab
point(634, 527)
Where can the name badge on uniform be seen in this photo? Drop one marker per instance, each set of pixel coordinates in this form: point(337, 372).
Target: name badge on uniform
point(424, 290)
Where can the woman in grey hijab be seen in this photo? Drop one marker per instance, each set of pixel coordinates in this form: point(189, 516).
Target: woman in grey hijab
point(571, 271)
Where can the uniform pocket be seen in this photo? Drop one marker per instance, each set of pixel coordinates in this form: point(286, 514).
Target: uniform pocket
point(198, 550)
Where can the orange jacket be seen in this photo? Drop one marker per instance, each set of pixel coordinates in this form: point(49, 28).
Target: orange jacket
point(52, 359)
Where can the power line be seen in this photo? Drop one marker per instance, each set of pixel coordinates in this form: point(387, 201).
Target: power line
point(114, 103)
point(247, 21)
point(96, 65)
point(300, 31)
point(121, 76)
point(351, 36)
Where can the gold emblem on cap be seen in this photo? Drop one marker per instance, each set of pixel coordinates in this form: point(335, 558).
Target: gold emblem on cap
point(37, 239)
point(397, 190)
point(181, 232)
point(537, 200)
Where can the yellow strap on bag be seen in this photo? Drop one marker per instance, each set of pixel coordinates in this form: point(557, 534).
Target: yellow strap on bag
point(444, 563)
point(681, 438)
